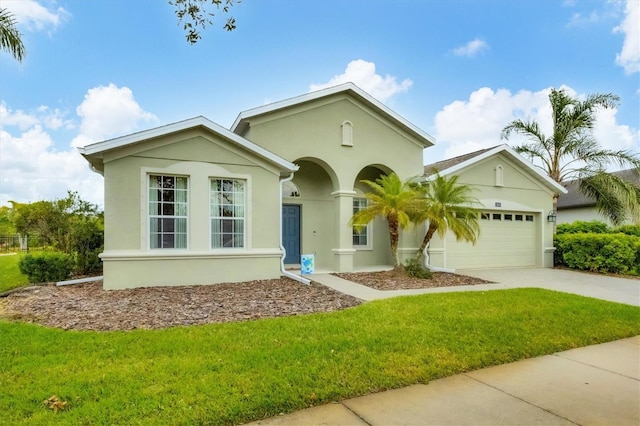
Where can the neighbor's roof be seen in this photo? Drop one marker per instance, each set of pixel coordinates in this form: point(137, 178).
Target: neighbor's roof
point(453, 165)
point(574, 198)
point(94, 152)
point(242, 121)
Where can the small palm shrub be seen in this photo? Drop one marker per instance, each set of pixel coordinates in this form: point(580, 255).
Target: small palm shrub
point(414, 269)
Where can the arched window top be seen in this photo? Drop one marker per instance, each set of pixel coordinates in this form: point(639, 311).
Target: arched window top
point(347, 133)
point(290, 190)
point(499, 176)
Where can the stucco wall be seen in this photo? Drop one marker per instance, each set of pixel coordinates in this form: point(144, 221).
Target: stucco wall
point(311, 135)
point(315, 131)
point(128, 260)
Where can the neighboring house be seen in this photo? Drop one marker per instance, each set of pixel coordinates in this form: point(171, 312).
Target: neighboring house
point(574, 205)
point(515, 203)
point(195, 203)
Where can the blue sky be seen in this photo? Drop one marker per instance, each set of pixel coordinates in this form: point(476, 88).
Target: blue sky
point(461, 70)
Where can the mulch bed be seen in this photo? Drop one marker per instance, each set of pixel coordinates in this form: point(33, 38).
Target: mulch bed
point(393, 280)
point(88, 307)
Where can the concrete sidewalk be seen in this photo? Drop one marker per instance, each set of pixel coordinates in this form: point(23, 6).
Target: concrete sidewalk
point(593, 385)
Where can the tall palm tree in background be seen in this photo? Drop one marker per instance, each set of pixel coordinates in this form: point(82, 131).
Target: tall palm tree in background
point(448, 206)
point(10, 38)
point(394, 200)
point(572, 153)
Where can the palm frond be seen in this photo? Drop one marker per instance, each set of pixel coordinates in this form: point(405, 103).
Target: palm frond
point(615, 198)
point(10, 37)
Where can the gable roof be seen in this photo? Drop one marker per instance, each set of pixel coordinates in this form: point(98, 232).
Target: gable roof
point(453, 165)
point(95, 151)
point(448, 163)
point(574, 198)
point(242, 121)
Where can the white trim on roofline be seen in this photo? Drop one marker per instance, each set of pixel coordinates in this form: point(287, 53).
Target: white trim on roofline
point(345, 87)
point(110, 144)
point(514, 155)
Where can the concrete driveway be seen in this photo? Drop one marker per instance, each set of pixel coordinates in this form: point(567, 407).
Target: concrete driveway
point(614, 289)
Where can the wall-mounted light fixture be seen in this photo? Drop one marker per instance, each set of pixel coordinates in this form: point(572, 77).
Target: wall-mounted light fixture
point(551, 217)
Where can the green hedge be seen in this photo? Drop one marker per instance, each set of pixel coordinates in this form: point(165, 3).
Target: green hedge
point(46, 266)
point(609, 253)
point(629, 230)
point(579, 226)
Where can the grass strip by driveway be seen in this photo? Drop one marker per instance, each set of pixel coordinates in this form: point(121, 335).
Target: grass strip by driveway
point(233, 373)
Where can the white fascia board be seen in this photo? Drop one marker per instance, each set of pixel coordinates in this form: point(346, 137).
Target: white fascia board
point(100, 147)
point(429, 140)
point(552, 184)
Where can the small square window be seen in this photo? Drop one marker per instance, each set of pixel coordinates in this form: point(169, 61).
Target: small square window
point(497, 216)
point(519, 218)
point(529, 218)
point(485, 216)
point(508, 217)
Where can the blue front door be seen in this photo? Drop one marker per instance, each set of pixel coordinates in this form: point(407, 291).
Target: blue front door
point(291, 233)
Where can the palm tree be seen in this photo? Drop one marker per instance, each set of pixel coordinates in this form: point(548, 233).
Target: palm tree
point(10, 39)
point(448, 205)
point(396, 201)
point(572, 153)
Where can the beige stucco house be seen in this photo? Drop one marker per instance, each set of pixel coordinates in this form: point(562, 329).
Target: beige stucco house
point(195, 203)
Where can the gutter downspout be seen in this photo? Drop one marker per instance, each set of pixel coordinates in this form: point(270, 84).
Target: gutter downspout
point(434, 268)
point(284, 252)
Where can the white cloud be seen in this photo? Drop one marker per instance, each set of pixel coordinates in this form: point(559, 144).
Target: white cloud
point(33, 169)
point(107, 111)
point(629, 56)
point(473, 124)
point(580, 19)
point(363, 74)
point(471, 49)
point(32, 15)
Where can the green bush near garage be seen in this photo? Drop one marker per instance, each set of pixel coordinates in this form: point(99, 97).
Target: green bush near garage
point(580, 226)
point(616, 253)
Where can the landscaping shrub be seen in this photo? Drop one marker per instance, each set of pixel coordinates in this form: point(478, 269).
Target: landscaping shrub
point(629, 230)
point(87, 263)
point(579, 226)
point(610, 253)
point(46, 266)
point(414, 269)
point(87, 243)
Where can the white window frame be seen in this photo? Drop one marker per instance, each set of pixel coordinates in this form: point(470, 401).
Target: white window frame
point(234, 208)
point(368, 230)
point(158, 215)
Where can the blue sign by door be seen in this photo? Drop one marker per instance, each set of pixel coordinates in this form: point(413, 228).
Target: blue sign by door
point(291, 233)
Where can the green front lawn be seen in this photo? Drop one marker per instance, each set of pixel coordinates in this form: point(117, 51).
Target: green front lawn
point(236, 372)
point(10, 276)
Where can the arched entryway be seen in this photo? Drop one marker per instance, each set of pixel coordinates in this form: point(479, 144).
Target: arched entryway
point(308, 218)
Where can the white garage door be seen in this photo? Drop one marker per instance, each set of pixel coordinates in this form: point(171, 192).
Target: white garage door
point(507, 239)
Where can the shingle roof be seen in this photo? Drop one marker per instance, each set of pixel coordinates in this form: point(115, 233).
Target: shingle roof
point(574, 198)
point(450, 162)
point(454, 165)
